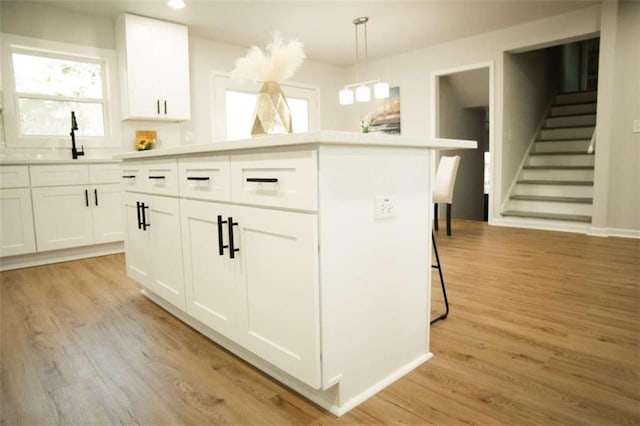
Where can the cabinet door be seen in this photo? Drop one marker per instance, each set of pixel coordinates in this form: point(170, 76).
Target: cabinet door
point(106, 209)
point(173, 54)
point(143, 89)
point(278, 290)
point(210, 286)
point(137, 241)
point(62, 217)
point(163, 219)
point(16, 222)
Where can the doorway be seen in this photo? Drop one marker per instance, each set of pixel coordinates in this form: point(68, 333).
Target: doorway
point(463, 110)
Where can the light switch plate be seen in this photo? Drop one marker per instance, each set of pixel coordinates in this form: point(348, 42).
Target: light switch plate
point(636, 126)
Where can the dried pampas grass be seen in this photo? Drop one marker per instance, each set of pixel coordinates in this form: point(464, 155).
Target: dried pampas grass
point(279, 62)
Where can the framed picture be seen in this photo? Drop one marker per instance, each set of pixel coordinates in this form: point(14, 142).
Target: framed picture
point(386, 115)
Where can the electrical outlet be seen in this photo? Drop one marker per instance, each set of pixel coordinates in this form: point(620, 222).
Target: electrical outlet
point(636, 126)
point(385, 206)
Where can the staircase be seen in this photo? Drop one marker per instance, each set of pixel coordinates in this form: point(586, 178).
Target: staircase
point(556, 180)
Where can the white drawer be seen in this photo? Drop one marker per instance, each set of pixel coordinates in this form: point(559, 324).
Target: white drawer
point(132, 175)
point(104, 173)
point(57, 175)
point(281, 179)
point(205, 178)
point(14, 176)
point(161, 177)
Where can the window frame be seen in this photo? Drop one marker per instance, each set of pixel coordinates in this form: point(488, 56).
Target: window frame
point(107, 59)
point(222, 82)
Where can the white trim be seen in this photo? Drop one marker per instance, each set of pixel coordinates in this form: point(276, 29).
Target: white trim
point(111, 105)
point(495, 151)
point(56, 256)
point(623, 233)
point(542, 224)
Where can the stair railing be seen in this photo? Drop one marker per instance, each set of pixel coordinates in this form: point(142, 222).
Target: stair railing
point(592, 144)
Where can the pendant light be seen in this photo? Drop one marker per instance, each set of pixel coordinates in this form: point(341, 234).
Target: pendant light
point(363, 91)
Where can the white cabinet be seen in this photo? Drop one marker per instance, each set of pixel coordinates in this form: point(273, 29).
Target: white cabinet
point(256, 281)
point(73, 208)
point(16, 217)
point(154, 68)
point(153, 245)
point(16, 222)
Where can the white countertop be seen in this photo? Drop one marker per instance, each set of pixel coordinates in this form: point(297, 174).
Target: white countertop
point(37, 161)
point(322, 137)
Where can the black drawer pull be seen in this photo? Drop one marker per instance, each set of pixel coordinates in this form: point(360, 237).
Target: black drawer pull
point(198, 178)
point(129, 177)
point(145, 225)
point(95, 194)
point(86, 197)
point(232, 249)
point(157, 177)
point(221, 247)
point(268, 180)
point(138, 205)
point(158, 105)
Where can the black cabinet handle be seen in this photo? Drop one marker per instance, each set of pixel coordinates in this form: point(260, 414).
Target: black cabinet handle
point(145, 225)
point(157, 177)
point(232, 249)
point(138, 210)
point(221, 247)
point(269, 180)
point(198, 178)
point(129, 177)
point(95, 194)
point(165, 107)
point(86, 197)
point(158, 105)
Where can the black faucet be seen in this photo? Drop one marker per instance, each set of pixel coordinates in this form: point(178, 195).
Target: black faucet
point(75, 152)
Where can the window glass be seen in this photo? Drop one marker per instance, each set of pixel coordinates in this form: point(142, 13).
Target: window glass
point(240, 113)
point(45, 117)
point(57, 77)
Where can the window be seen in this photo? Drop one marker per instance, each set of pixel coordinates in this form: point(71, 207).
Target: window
point(236, 104)
point(49, 88)
point(44, 81)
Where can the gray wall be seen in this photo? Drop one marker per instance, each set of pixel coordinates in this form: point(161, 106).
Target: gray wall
point(526, 97)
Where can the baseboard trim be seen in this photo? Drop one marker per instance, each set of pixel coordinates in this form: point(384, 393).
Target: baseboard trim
point(56, 256)
point(623, 233)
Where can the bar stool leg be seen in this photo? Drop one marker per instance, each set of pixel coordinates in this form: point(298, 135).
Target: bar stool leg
point(444, 290)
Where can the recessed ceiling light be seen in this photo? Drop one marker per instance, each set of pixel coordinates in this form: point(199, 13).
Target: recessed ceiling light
point(176, 4)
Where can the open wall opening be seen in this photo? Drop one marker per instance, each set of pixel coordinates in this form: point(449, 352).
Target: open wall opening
point(463, 111)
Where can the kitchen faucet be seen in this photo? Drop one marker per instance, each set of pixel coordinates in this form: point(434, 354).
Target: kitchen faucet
point(75, 153)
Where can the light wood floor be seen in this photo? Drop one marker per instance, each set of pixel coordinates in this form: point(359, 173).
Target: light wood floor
point(544, 329)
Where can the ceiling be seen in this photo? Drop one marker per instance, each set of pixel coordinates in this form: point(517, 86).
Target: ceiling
point(326, 28)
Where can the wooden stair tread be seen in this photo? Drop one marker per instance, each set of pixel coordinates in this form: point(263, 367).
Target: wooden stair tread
point(561, 153)
point(550, 216)
point(574, 103)
point(573, 126)
point(577, 114)
point(558, 167)
point(554, 199)
point(564, 140)
point(556, 182)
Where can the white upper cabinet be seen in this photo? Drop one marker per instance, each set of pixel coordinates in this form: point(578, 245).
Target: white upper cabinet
point(153, 60)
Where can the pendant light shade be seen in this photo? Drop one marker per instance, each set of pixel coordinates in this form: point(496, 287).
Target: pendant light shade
point(346, 96)
point(363, 94)
point(362, 89)
point(381, 90)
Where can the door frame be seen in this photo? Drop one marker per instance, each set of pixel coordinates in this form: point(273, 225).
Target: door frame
point(494, 150)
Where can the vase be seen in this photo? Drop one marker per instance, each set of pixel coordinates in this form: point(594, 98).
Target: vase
point(272, 111)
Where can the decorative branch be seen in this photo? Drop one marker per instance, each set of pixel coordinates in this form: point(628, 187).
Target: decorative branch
point(279, 62)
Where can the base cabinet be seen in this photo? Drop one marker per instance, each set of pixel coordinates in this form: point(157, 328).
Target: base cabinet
point(251, 274)
point(153, 246)
point(16, 222)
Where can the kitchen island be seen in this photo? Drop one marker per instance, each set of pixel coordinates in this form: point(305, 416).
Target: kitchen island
point(308, 255)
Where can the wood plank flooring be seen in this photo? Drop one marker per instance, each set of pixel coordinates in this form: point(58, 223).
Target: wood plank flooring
point(544, 329)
